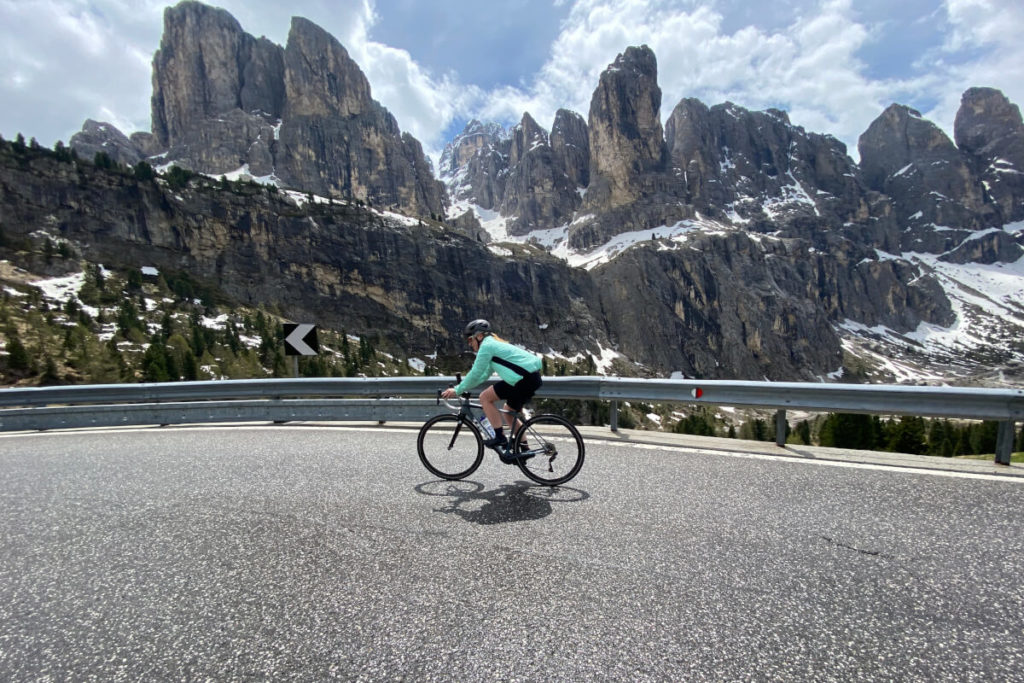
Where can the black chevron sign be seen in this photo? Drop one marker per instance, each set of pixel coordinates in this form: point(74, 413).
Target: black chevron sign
point(300, 339)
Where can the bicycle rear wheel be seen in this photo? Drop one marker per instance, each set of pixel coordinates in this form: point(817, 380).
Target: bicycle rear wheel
point(449, 446)
point(557, 449)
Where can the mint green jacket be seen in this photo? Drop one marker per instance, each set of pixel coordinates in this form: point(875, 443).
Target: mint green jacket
point(510, 362)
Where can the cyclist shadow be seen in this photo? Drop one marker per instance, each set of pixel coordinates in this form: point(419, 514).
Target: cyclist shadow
point(518, 502)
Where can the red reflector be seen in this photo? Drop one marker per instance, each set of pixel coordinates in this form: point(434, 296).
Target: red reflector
point(697, 393)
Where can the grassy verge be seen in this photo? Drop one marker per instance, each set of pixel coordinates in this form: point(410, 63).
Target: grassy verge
point(1014, 457)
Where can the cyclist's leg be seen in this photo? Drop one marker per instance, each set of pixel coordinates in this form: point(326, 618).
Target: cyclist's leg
point(516, 397)
point(488, 398)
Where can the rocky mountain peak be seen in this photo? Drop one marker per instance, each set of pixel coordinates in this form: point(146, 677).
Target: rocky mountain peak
point(199, 70)
point(539, 192)
point(302, 115)
point(476, 136)
point(985, 121)
point(526, 136)
point(475, 163)
point(914, 162)
point(626, 137)
point(741, 161)
point(97, 136)
point(988, 127)
point(320, 78)
point(898, 137)
point(570, 144)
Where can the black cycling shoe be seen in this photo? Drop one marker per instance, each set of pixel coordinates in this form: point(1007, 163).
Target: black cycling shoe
point(498, 443)
point(510, 458)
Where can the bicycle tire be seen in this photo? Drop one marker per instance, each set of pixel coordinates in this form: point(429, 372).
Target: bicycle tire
point(450, 447)
point(560, 449)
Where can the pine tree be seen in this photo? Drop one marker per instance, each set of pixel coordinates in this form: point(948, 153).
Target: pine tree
point(189, 367)
point(18, 358)
point(803, 431)
point(938, 431)
point(845, 430)
point(128, 319)
point(50, 374)
point(61, 152)
point(154, 364)
point(144, 172)
point(694, 424)
point(103, 160)
point(908, 435)
point(983, 437)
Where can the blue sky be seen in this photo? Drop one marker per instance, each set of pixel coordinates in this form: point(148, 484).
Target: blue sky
point(834, 65)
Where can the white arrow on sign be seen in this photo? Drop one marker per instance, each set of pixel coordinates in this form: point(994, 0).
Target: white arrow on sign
point(297, 339)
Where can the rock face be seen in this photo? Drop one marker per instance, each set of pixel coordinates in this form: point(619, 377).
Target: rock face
point(96, 137)
point(758, 167)
point(630, 189)
point(723, 306)
point(570, 144)
point(475, 163)
point(224, 101)
point(336, 141)
point(929, 180)
point(533, 178)
point(411, 287)
point(936, 195)
point(759, 307)
point(538, 189)
point(988, 128)
point(626, 140)
point(207, 66)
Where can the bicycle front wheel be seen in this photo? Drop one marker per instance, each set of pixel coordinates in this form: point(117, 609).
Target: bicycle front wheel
point(450, 447)
point(556, 447)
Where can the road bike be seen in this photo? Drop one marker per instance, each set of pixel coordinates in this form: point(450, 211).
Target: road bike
point(547, 448)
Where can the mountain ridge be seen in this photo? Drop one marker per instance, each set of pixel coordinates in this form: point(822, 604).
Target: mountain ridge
point(747, 247)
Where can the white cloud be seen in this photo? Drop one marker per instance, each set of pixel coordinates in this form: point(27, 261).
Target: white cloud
point(989, 32)
point(984, 22)
point(68, 60)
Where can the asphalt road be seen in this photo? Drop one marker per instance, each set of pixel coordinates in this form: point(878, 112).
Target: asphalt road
point(307, 553)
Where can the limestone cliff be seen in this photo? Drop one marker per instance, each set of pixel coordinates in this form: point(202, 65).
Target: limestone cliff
point(303, 114)
point(630, 188)
point(988, 128)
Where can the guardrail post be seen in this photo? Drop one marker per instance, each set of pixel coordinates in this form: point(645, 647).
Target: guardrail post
point(780, 427)
point(614, 416)
point(1004, 442)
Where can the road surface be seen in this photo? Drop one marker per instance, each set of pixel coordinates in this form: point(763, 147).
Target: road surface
point(309, 552)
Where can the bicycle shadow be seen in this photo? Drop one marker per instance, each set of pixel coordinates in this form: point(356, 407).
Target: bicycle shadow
point(518, 502)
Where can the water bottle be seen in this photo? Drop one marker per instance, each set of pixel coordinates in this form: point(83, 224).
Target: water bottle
point(485, 427)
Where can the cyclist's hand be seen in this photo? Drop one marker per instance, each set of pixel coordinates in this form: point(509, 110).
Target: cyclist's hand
point(448, 393)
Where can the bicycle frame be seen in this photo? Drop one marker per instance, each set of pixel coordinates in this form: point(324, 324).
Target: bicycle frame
point(467, 405)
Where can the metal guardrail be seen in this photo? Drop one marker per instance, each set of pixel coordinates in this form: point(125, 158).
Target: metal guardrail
point(387, 399)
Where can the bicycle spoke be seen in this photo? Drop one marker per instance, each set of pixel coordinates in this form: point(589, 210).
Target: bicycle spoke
point(558, 449)
point(449, 448)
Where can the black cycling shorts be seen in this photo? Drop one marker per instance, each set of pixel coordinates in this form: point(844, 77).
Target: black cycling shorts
point(516, 395)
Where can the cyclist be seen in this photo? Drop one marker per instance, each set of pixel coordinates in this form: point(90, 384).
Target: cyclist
point(518, 369)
